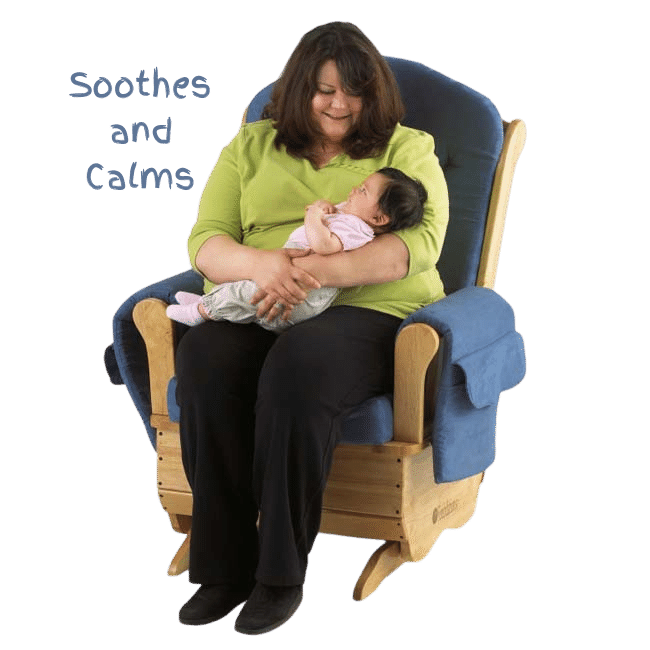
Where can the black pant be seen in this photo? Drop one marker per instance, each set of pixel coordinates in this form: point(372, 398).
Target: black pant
point(260, 417)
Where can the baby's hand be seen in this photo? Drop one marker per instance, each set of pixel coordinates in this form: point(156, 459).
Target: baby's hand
point(320, 208)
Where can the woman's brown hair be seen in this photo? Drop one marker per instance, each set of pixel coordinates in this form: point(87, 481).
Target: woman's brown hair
point(363, 72)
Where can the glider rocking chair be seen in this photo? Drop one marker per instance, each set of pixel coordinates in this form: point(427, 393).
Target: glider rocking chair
point(410, 464)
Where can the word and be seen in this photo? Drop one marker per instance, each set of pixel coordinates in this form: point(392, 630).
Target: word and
point(102, 88)
point(120, 136)
point(116, 181)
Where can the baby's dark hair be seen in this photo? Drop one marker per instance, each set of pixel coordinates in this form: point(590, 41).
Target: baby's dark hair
point(402, 200)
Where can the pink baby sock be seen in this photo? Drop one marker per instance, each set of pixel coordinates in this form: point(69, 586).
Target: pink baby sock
point(185, 298)
point(188, 314)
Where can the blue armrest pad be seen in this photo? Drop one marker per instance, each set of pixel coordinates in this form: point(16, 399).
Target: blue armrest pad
point(482, 356)
point(126, 359)
point(474, 317)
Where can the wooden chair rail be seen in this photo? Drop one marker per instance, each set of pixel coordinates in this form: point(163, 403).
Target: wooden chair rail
point(514, 138)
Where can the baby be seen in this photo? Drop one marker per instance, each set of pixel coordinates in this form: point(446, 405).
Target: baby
point(387, 200)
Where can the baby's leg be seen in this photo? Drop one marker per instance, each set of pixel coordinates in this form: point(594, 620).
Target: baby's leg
point(318, 300)
point(231, 301)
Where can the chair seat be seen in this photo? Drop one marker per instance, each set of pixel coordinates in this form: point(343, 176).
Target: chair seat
point(370, 423)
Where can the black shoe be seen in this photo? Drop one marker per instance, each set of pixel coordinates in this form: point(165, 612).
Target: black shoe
point(267, 608)
point(212, 602)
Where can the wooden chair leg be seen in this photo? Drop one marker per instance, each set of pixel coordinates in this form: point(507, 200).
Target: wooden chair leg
point(181, 561)
point(381, 564)
point(180, 523)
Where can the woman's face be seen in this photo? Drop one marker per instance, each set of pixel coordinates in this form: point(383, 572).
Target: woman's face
point(333, 110)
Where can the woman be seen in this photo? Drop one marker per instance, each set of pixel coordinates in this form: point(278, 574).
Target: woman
point(261, 413)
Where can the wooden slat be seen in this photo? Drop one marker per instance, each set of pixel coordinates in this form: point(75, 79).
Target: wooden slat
point(362, 499)
point(360, 465)
point(171, 475)
point(354, 525)
point(391, 448)
point(177, 502)
point(364, 482)
point(419, 486)
point(162, 422)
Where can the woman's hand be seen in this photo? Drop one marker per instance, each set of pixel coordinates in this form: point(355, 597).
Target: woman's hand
point(281, 284)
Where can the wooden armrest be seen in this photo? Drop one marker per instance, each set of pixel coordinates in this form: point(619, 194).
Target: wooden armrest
point(416, 347)
point(158, 334)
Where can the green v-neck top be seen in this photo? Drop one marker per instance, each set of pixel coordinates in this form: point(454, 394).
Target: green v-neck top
point(257, 195)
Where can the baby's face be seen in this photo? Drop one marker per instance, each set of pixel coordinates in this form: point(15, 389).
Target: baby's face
point(363, 201)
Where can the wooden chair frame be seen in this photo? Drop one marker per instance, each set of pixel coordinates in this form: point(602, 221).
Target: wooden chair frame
point(386, 492)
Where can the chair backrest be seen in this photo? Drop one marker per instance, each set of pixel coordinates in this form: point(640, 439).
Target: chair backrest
point(468, 133)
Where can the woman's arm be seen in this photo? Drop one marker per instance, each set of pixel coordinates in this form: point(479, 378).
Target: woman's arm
point(384, 259)
point(221, 259)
